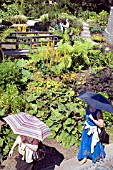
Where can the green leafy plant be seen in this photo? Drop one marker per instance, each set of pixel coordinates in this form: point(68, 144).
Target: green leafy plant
point(11, 71)
point(42, 86)
point(102, 18)
point(5, 34)
point(65, 124)
point(2, 37)
point(7, 138)
point(84, 15)
point(98, 38)
point(100, 80)
point(52, 102)
point(97, 29)
point(11, 100)
point(9, 10)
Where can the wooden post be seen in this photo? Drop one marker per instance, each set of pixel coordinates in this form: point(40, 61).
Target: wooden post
point(36, 39)
point(17, 42)
point(31, 42)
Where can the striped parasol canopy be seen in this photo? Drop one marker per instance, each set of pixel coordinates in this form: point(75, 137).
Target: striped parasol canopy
point(28, 125)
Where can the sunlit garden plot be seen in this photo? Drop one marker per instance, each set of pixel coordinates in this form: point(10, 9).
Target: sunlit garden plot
point(47, 83)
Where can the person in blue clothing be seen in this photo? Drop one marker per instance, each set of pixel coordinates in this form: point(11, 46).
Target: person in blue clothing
point(58, 27)
point(90, 146)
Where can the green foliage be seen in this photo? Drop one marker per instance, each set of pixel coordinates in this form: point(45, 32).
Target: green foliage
point(67, 15)
point(34, 9)
point(99, 81)
point(2, 14)
point(52, 100)
point(11, 100)
point(48, 94)
point(53, 104)
point(84, 15)
point(77, 24)
point(20, 19)
point(44, 17)
point(93, 15)
point(10, 72)
point(98, 38)
point(9, 10)
point(97, 29)
point(101, 18)
point(5, 33)
point(7, 138)
point(108, 119)
point(80, 54)
point(99, 57)
point(42, 86)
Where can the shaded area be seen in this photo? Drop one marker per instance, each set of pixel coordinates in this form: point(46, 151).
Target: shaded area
point(53, 157)
point(65, 154)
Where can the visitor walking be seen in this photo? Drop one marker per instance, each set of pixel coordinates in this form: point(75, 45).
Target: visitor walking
point(30, 131)
point(90, 146)
point(58, 25)
point(66, 26)
point(61, 26)
point(26, 146)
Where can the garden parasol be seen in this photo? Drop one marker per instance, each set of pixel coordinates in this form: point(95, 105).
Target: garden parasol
point(28, 125)
point(96, 100)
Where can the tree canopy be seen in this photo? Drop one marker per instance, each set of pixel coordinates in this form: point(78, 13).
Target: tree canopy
point(35, 8)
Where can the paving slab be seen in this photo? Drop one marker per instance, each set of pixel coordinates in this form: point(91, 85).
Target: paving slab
point(73, 164)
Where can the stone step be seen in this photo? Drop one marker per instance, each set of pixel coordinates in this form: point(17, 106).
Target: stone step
point(86, 27)
point(85, 32)
point(85, 35)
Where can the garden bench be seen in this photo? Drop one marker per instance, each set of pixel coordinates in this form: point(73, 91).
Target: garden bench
point(33, 40)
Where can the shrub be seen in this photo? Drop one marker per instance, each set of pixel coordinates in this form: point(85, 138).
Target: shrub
point(9, 10)
point(18, 19)
point(98, 38)
point(96, 29)
point(101, 18)
point(11, 72)
point(99, 81)
point(11, 100)
point(76, 24)
point(84, 15)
